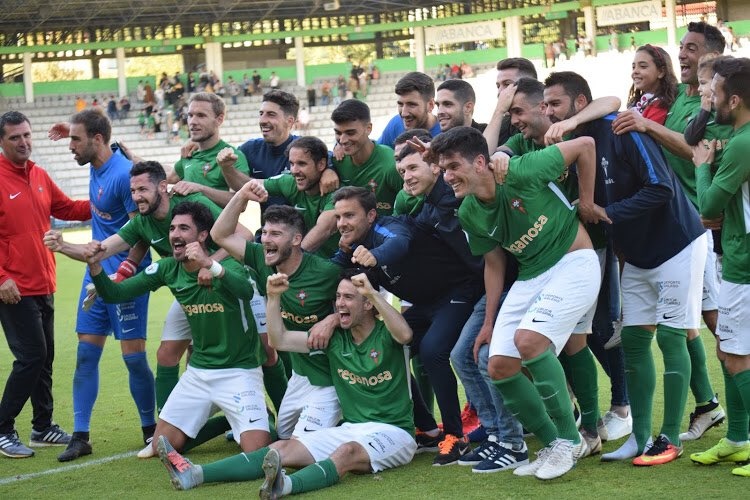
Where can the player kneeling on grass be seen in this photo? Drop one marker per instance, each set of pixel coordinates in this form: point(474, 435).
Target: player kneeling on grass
point(367, 360)
point(224, 369)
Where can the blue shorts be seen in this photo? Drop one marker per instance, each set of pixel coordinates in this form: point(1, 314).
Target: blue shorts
point(127, 320)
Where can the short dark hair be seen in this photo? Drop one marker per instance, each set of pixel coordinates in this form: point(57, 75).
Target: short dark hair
point(95, 122)
point(284, 214)
point(348, 273)
point(408, 149)
point(736, 74)
point(524, 66)
point(365, 197)
point(423, 134)
point(573, 84)
point(532, 88)
point(312, 145)
point(462, 90)
point(201, 214)
point(715, 41)
point(286, 101)
point(418, 81)
point(12, 118)
point(155, 171)
point(465, 141)
point(351, 110)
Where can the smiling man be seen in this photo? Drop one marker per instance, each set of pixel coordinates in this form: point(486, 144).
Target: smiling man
point(415, 93)
point(455, 102)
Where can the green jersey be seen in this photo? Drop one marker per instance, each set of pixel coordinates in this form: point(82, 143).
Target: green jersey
point(680, 113)
point(312, 290)
point(530, 215)
point(202, 168)
point(730, 190)
point(220, 318)
point(406, 204)
point(721, 133)
point(156, 232)
point(371, 378)
point(310, 206)
point(378, 174)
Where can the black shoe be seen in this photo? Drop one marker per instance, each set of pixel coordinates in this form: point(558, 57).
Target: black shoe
point(76, 448)
point(427, 443)
point(452, 448)
point(148, 433)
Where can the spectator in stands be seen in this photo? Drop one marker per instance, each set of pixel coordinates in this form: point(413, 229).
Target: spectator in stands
point(112, 109)
point(191, 82)
point(375, 73)
point(80, 104)
point(341, 86)
point(124, 107)
point(466, 70)
point(257, 89)
point(27, 309)
point(149, 99)
point(233, 88)
point(303, 119)
point(325, 93)
point(274, 81)
point(247, 85)
point(311, 96)
point(140, 93)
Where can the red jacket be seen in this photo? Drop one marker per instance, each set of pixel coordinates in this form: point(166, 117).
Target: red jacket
point(28, 198)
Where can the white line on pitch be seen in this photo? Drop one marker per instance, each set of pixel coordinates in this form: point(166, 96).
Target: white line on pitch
point(23, 477)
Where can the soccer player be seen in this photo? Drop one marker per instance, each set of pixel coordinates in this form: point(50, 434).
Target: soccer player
point(224, 369)
point(455, 100)
point(365, 164)
point(558, 278)
point(200, 172)
point(700, 40)
point(509, 71)
point(112, 207)
point(658, 233)
point(416, 99)
point(28, 198)
point(726, 192)
point(310, 401)
point(367, 364)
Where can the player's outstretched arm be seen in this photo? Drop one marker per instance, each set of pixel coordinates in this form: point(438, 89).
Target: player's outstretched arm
point(278, 336)
point(632, 121)
point(598, 108)
point(394, 321)
point(114, 244)
point(113, 292)
point(227, 159)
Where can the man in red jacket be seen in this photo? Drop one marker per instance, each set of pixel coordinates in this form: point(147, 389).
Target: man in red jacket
point(28, 198)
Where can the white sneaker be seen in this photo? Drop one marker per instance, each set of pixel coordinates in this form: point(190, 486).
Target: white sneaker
point(589, 445)
point(531, 468)
point(616, 338)
point(613, 426)
point(147, 452)
point(629, 449)
point(701, 422)
point(559, 461)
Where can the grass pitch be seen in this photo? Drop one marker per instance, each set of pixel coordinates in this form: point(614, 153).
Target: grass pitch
point(115, 431)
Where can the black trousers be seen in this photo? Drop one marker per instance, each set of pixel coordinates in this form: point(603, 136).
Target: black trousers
point(29, 328)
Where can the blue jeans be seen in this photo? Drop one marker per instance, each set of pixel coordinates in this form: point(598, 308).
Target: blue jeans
point(479, 388)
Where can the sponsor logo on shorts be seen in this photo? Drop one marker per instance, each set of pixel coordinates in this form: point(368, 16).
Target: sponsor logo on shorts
point(191, 309)
point(309, 430)
point(353, 378)
point(526, 238)
point(664, 316)
point(252, 420)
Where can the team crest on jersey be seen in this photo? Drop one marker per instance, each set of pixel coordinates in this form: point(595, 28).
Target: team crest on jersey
point(375, 355)
point(373, 185)
point(152, 268)
point(517, 204)
point(301, 296)
point(206, 168)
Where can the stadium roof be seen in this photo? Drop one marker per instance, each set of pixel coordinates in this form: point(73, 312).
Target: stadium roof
point(23, 16)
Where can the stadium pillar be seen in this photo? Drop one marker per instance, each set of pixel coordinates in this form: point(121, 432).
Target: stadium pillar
point(513, 36)
point(28, 82)
point(419, 47)
point(589, 23)
point(299, 56)
point(215, 59)
point(122, 83)
point(671, 24)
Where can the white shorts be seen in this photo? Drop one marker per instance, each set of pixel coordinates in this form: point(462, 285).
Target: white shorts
point(585, 325)
point(733, 326)
point(176, 326)
point(238, 392)
point(710, 277)
point(669, 294)
point(387, 445)
point(306, 408)
point(551, 304)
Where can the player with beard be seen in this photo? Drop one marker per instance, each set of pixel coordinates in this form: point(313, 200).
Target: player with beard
point(112, 207)
point(455, 102)
point(415, 93)
point(224, 369)
point(310, 401)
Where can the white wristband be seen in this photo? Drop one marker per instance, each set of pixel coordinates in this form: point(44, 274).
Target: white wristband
point(215, 269)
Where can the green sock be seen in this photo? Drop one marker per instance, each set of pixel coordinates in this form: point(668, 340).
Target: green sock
point(166, 378)
point(214, 426)
point(640, 375)
point(286, 359)
point(314, 477)
point(275, 381)
point(673, 345)
point(742, 382)
point(423, 382)
point(700, 384)
point(582, 375)
point(550, 383)
point(520, 398)
point(242, 467)
point(737, 415)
